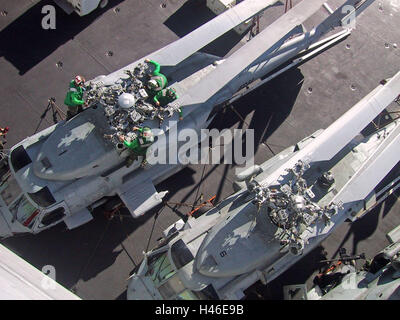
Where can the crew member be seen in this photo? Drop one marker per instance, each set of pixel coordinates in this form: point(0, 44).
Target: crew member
point(3, 134)
point(157, 81)
point(165, 96)
point(74, 98)
point(138, 146)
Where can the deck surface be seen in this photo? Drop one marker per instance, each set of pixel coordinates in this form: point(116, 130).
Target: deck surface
point(96, 259)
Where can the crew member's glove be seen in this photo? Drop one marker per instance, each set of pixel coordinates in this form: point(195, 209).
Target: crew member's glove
point(121, 138)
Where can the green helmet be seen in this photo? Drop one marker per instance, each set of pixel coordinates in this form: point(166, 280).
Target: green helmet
point(147, 135)
point(172, 93)
point(147, 131)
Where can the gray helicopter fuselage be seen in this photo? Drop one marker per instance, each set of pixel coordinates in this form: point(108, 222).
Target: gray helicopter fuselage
point(79, 168)
point(221, 253)
point(63, 172)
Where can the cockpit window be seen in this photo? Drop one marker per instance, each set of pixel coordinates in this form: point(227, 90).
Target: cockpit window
point(53, 216)
point(43, 197)
point(10, 190)
point(186, 295)
point(19, 158)
point(208, 293)
point(181, 254)
point(23, 210)
point(166, 280)
point(160, 269)
point(171, 288)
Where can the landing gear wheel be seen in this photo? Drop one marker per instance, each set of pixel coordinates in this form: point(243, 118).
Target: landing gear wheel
point(103, 3)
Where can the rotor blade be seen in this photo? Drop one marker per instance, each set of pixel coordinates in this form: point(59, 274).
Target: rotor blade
point(336, 136)
point(243, 57)
point(179, 50)
point(342, 131)
point(374, 169)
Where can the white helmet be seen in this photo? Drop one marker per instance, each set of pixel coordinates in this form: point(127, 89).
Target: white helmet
point(152, 83)
point(79, 80)
point(126, 100)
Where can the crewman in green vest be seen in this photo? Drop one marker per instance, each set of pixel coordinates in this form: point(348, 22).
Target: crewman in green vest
point(74, 98)
point(165, 96)
point(3, 134)
point(138, 146)
point(3, 157)
point(157, 81)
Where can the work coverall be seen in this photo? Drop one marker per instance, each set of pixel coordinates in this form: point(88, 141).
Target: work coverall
point(3, 133)
point(163, 98)
point(158, 77)
point(74, 99)
point(138, 146)
point(3, 159)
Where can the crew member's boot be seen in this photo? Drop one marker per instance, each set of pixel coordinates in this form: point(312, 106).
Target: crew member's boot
point(71, 112)
point(144, 163)
point(131, 159)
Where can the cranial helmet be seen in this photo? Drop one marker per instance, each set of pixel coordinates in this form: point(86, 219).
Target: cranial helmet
point(79, 80)
point(171, 92)
point(126, 100)
point(147, 132)
point(152, 84)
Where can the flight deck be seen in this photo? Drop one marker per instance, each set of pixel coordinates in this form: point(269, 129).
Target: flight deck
point(95, 260)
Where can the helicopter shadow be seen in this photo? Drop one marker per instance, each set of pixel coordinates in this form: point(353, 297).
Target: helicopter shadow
point(193, 14)
point(271, 103)
point(24, 43)
point(365, 227)
point(190, 16)
point(298, 273)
